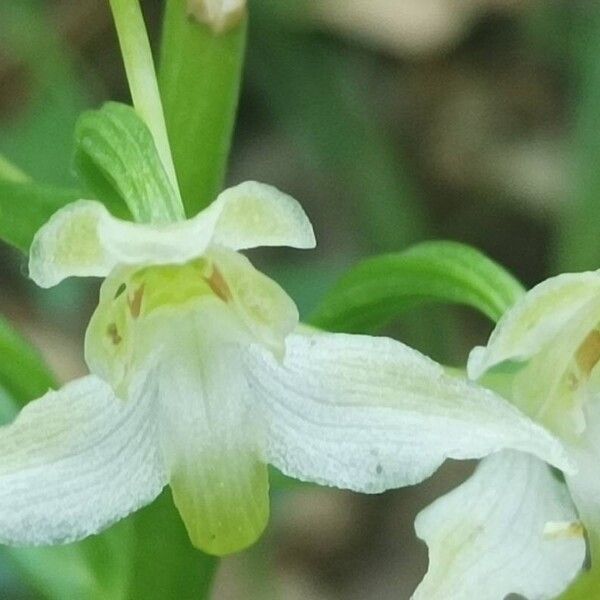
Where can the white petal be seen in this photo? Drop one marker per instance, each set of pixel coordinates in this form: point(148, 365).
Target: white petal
point(74, 462)
point(369, 413)
point(584, 484)
point(83, 239)
point(534, 320)
point(552, 335)
point(260, 303)
point(211, 439)
point(255, 214)
point(510, 528)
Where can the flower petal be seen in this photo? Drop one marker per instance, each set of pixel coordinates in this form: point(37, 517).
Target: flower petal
point(259, 302)
point(74, 462)
point(553, 386)
point(128, 297)
point(584, 484)
point(255, 214)
point(552, 337)
point(510, 528)
point(211, 439)
point(369, 413)
point(535, 320)
point(83, 239)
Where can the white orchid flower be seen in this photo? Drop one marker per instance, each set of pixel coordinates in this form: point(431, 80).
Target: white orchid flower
point(514, 527)
point(201, 376)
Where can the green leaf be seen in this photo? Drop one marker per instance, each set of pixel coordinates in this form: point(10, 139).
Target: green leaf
point(117, 160)
point(25, 207)
point(380, 288)
point(200, 74)
point(23, 373)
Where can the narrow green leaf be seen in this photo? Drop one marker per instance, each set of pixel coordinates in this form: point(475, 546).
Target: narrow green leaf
point(23, 373)
point(380, 288)
point(117, 160)
point(199, 77)
point(25, 207)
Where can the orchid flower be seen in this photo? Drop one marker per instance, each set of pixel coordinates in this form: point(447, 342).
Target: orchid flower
point(201, 374)
point(515, 527)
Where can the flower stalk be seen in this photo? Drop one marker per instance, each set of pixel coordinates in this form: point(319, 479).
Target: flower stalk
point(141, 76)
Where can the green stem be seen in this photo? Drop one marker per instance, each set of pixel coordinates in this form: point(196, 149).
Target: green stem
point(200, 74)
point(141, 76)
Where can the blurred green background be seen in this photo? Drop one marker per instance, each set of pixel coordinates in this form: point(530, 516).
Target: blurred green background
point(392, 122)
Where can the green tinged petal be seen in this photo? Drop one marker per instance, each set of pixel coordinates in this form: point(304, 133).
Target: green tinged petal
point(254, 214)
point(550, 343)
point(71, 243)
point(181, 329)
point(211, 437)
point(556, 383)
point(261, 304)
point(129, 297)
point(83, 239)
point(223, 498)
point(533, 321)
point(117, 159)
